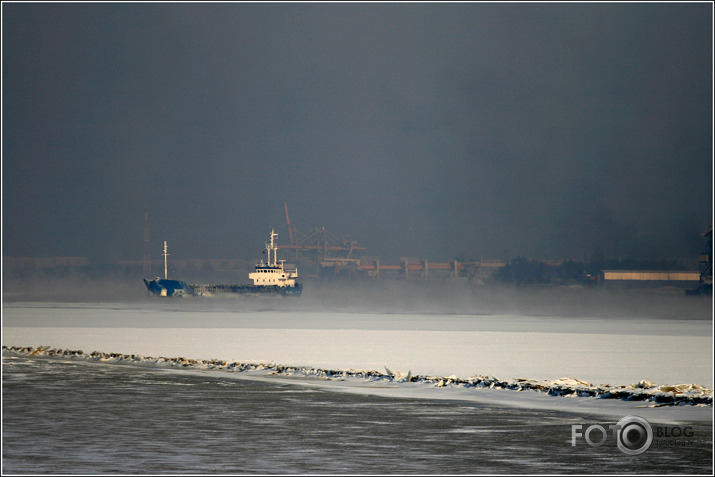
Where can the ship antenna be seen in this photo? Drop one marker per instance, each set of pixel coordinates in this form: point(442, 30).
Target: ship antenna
point(165, 255)
point(275, 250)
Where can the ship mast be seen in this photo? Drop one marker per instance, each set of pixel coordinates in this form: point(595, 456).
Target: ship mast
point(271, 247)
point(165, 255)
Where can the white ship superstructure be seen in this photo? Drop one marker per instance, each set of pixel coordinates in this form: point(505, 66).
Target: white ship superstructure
point(274, 272)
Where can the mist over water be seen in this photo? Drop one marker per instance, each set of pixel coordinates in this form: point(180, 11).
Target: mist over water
point(392, 296)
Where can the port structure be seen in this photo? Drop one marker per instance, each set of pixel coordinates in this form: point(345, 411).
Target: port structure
point(705, 284)
point(324, 249)
point(420, 269)
point(329, 254)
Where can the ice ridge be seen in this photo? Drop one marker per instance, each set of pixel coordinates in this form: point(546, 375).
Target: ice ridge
point(656, 395)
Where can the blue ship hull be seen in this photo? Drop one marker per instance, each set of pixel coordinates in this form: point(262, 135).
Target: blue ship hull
point(166, 287)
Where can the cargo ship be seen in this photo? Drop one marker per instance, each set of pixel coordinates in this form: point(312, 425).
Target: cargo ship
point(271, 278)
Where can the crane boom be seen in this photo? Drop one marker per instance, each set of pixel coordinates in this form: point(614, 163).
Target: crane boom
point(290, 229)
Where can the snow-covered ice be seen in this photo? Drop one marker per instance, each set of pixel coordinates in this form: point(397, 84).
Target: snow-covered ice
point(595, 357)
point(639, 353)
point(598, 350)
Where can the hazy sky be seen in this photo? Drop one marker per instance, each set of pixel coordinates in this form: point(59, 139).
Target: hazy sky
point(425, 130)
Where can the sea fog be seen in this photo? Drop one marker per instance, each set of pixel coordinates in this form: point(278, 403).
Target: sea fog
point(397, 296)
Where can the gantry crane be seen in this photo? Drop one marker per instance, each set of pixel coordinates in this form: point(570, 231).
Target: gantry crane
point(325, 248)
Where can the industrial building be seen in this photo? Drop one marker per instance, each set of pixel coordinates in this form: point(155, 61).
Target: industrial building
point(649, 278)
